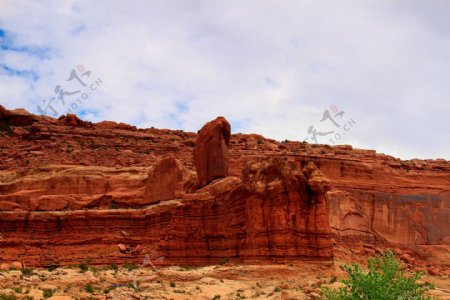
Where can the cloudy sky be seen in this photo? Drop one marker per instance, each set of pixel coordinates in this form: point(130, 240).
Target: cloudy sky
point(373, 74)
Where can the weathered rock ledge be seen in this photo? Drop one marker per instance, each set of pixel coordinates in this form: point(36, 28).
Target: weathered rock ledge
point(74, 189)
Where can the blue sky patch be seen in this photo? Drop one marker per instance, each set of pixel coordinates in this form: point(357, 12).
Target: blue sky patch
point(239, 125)
point(7, 43)
point(21, 73)
point(87, 112)
point(182, 107)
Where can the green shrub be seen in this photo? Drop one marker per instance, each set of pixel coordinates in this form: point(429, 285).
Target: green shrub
point(130, 266)
point(113, 267)
point(7, 297)
point(48, 293)
point(385, 279)
point(89, 288)
point(94, 271)
point(27, 272)
point(52, 267)
point(83, 267)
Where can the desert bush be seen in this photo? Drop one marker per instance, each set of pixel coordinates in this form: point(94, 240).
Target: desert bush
point(94, 270)
point(89, 288)
point(385, 279)
point(27, 272)
point(83, 267)
point(52, 267)
point(113, 267)
point(47, 293)
point(7, 297)
point(130, 266)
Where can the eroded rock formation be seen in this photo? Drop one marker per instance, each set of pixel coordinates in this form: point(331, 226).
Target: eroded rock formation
point(268, 215)
point(169, 180)
point(16, 117)
point(211, 151)
point(80, 191)
point(73, 120)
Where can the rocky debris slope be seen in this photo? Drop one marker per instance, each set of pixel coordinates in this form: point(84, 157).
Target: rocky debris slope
point(231, 280)
point(76, 189)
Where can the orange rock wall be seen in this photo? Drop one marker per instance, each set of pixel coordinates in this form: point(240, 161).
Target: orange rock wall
point(76, 189)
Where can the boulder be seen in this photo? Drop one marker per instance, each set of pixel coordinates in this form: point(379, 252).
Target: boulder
point(122, 248)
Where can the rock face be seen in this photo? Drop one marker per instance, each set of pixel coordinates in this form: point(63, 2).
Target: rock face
point(16, 117)
point(291, 203)
point(270, 214)
point(211, 151)
point(169, 180)
point(74, 190)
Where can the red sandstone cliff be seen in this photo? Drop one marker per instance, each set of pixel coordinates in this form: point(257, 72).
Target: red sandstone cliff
point(73, 189)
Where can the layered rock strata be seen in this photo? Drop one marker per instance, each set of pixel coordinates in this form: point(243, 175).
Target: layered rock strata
point(77, 189)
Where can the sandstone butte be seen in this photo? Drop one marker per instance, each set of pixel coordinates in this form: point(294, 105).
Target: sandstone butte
point(72, 190)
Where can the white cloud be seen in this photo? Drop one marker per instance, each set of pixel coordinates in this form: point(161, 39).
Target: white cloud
point(269, 67)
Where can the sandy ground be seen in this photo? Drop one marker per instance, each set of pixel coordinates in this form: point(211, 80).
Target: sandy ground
point(229, 281)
